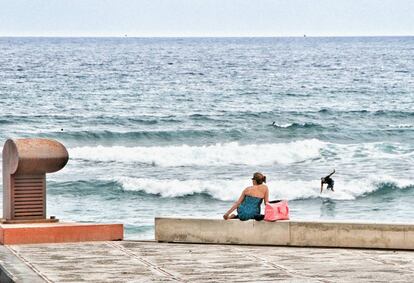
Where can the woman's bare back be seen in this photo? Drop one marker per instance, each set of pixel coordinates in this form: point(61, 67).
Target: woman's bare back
point(259, 191)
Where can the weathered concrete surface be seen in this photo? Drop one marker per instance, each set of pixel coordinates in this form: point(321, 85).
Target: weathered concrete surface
point(220, 231)
point(13, 269)
point(362, 235)
point(130, 261)
point(286, 233)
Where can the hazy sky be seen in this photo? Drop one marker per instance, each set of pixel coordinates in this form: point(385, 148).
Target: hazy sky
point(206, 17)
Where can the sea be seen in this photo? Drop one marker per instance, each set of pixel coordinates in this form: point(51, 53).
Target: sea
point(177, 126)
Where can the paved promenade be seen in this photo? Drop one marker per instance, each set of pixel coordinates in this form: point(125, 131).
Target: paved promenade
point(135, 261)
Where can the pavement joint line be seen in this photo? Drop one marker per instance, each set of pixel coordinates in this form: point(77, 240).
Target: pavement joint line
point(146, 262)
point(383, 261)
point(31, 266)
point(276, 266)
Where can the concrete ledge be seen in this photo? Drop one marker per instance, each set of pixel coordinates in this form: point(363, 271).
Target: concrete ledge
point(12, 234)
point(286, 233)
point(220, 231)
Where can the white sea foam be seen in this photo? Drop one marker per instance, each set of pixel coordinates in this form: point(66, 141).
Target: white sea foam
point(402, 126)
point(287, 125)
point(230, 189)
point(210, 155)
point(229, 154)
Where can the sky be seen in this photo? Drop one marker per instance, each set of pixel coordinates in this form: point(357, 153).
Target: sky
point(206, 17)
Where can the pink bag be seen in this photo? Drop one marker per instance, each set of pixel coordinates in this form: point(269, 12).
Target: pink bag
point(276, 211)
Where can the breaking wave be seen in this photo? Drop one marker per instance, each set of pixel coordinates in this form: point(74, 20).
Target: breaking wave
point(402, 126)
point(233, 153)
point(209, 155)
point(229, 190)
point(297, 126)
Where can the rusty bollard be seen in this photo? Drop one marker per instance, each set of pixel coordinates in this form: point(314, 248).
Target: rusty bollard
point(25, 164)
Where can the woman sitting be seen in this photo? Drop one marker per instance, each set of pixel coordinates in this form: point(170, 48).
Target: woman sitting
point(248, 204)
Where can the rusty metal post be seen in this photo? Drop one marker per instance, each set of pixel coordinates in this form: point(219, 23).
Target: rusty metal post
point(25, 164)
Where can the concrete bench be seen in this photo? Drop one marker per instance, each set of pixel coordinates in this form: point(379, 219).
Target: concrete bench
point(286, 233)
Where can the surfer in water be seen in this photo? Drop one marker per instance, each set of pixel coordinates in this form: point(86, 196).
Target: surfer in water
point(328, 180)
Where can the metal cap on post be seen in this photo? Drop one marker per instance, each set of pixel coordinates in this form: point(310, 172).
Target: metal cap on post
point(25, 164)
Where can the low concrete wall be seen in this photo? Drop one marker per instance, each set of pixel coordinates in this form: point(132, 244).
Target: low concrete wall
point(286, 233)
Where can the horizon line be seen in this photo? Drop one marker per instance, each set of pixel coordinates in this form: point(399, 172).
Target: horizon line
point(196, 36)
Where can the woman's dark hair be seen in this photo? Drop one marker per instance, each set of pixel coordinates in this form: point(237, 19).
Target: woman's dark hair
point(259, 178)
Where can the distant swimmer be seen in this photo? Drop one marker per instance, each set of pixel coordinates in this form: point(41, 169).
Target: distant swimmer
point(328, 180)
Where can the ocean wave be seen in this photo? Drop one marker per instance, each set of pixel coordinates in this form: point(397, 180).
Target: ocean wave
point(163, 135)
point(83, 187)
point(393, 113)
point(332, 111)
point(209, 155)
point(89, 118)
point(233, 153)
point(229, 190)
point(296, 125)
point(387, 113)
point(401, 126)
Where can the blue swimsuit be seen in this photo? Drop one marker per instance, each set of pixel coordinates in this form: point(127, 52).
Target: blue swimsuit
point(249, 208)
